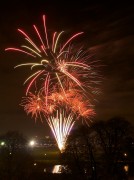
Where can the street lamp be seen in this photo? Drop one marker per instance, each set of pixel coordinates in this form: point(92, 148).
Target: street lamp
point(2, 143)
point(125, 154)
point(32, 143)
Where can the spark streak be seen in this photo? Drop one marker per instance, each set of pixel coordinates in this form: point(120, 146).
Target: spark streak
point(61, 125)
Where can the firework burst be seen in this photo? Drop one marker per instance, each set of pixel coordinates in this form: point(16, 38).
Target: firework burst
point(56, 63)
point(61, 112)
point(63, 78)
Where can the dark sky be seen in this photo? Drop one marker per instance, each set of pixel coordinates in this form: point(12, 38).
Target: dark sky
point(109, 34)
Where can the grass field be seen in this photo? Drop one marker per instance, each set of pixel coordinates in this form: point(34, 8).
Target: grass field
point(45, 158)
point(46, 155)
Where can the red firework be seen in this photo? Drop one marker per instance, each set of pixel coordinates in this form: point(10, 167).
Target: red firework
point(72, 101)
point(63, 78)
point(57, 64)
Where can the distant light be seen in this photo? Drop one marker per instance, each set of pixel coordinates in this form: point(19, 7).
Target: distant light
point(47, 137)
point(56, 169)
point(35, 164)
point(45, 154)
point(2, 143)
point(10, 153)
point(32, 143)
point(126, 167)
point(45, 170)
point(125, 154)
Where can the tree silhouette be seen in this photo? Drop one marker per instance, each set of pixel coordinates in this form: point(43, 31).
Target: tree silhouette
point(15, 159)
point(102, 150)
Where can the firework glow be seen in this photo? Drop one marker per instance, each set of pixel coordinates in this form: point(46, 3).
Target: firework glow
point(61, 112)
point(62, 82)
point(61, 125)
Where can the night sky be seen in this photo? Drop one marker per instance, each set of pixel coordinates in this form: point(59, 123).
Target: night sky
point(109, 34)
